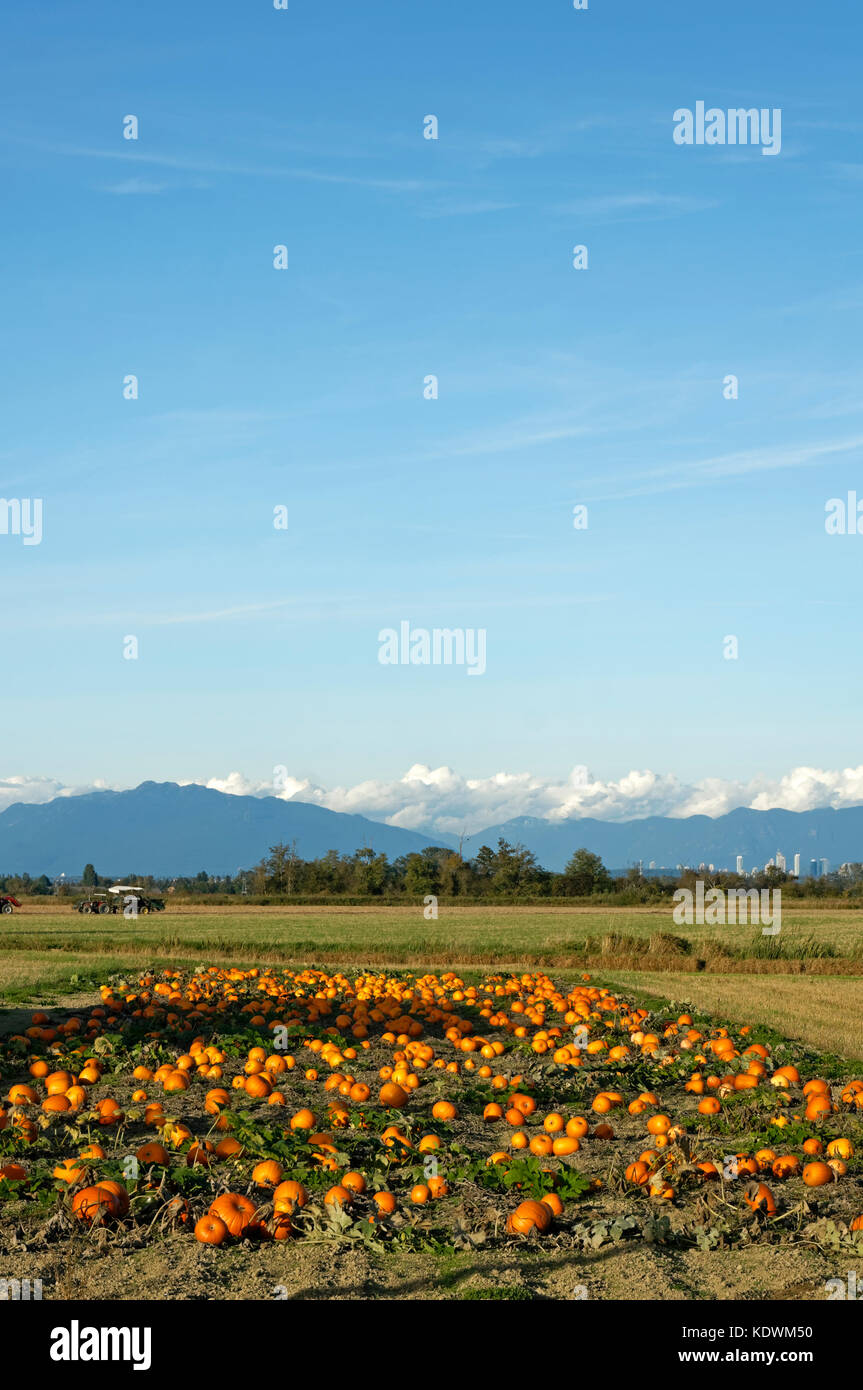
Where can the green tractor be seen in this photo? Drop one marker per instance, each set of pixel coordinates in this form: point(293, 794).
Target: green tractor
point(130, 899)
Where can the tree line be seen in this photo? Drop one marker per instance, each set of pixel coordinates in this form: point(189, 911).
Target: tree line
point(510, 872)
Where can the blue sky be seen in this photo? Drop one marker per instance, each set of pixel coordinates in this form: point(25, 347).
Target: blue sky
point(305, 388)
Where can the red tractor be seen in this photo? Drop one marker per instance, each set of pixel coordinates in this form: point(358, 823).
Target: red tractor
point(7, 902)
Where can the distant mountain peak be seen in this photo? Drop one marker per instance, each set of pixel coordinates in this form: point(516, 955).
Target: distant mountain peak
point(168, 830)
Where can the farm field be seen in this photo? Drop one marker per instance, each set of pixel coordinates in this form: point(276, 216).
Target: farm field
point(60, 943)
point(50, 953)
point(278, 1132)
point(825, 1012)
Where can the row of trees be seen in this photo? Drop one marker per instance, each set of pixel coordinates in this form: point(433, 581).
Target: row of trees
point(510, 871)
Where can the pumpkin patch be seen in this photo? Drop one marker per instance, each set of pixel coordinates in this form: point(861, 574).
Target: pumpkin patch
point(416, 1111)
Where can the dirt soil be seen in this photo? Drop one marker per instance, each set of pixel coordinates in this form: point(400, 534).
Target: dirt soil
point(176, 1268)
point(16, 1020)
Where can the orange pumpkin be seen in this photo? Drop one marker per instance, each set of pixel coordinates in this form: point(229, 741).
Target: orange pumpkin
point(289, 1194)
point(529, 1216)
point(235, 1210)
point(211, 1230)
point(758, 1197)
point(818, 1174)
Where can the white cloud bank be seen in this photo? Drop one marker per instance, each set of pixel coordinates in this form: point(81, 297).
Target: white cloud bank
point(439, 799)
point(36, 790)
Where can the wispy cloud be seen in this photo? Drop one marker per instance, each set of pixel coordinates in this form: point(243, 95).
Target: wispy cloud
point(514, 148)
point(850, 297)
point(849, 127)
point(203, 165)
point(340, 608)
point(695, 472)
point(619, 205)
point(516, 435)
point(467, 207)
point(215, 615)
point(550, 140)
point(135, 185)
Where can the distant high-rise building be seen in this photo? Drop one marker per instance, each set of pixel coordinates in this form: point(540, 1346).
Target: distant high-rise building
point(825, 867)
point(769, 865)
point(813, 868)
point(780, 861)
point(797, 865)
point(740, 863)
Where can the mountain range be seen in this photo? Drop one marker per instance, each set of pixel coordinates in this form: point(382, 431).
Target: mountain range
point(167, 830)
point(163, 829)
point(690, 840)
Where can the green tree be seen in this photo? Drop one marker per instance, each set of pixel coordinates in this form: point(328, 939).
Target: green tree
point(278, 866)
point(422, 873)
point(370, 871)
point(455, 875)
point(516, 869)
point(89, 877)
point(586, 874)
point(326, 875)
point(293, 867)
point(259, 878)
point(485, 862)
